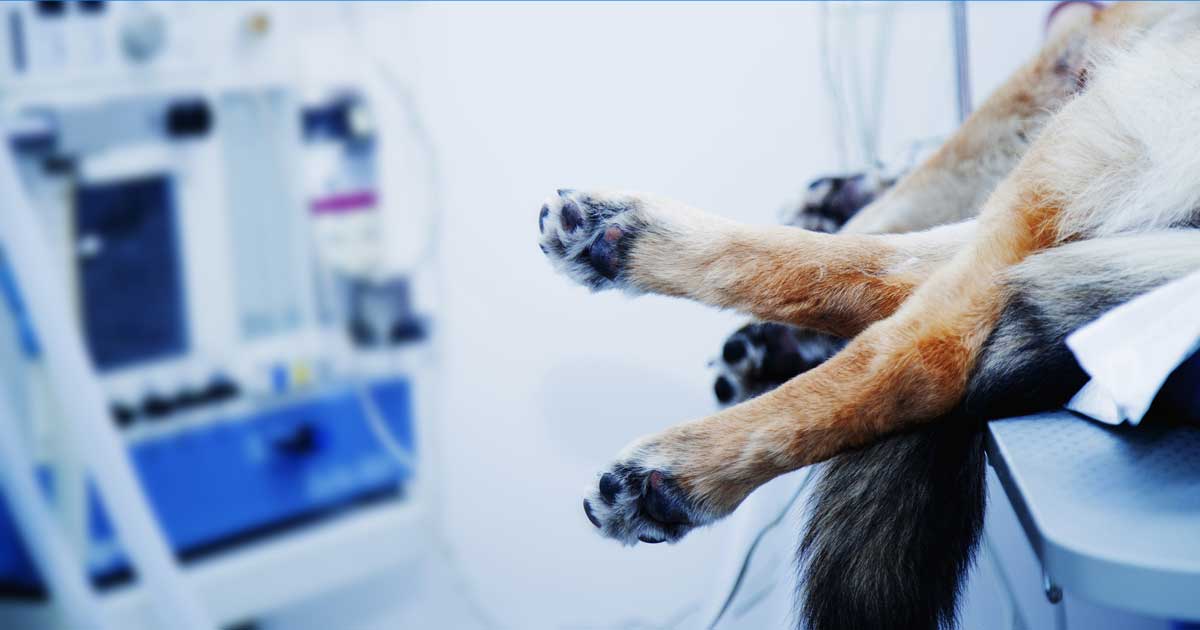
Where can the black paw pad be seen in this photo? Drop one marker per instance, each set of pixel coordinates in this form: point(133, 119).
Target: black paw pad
point(571, 217)
point(724, 390)
point(604, 253)
point(734, 350)
point(660, 501)
point(610, 485)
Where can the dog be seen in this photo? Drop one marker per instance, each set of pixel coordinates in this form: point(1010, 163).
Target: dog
point(1071, 190)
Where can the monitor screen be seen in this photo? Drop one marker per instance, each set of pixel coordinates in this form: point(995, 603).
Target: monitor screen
point(129, 271)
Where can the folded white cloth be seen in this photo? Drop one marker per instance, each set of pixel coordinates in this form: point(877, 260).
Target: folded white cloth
point(1131, 350)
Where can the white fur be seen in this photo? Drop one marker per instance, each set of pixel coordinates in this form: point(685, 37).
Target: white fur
point(1124, 155)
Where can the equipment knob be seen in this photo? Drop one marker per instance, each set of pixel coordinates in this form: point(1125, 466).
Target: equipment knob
point(155, 406)
point(122, 414)
point(143, 34)
point(298, 440)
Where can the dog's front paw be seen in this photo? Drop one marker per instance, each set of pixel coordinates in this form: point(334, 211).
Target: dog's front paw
point(639, 499)
point(588, 235)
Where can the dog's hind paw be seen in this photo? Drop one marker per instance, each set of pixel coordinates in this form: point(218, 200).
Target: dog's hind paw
point(588, 235)
point(639, 500)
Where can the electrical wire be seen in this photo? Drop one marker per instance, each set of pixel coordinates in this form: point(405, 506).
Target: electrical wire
point(739, 581)
point(857, 108)
point(832, 85)
point(873, 122)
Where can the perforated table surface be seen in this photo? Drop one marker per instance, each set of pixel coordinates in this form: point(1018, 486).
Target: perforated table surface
point(1113, 513)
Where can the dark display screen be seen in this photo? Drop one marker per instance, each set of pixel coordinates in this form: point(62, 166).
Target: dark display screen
point(129, 270)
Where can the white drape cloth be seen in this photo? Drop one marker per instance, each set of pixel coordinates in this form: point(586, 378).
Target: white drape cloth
point(1131, 350)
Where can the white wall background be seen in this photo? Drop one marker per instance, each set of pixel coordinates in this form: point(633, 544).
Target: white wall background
point(721, 105)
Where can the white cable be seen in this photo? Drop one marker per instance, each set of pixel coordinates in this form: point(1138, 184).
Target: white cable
point(383, 434)
point(832, 86)
point(883, 45)
point(857, 106)
point(47, 543)
point(38, 274)
point(853, 70)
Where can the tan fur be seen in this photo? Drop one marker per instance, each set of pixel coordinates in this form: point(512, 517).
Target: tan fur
point(838, 284)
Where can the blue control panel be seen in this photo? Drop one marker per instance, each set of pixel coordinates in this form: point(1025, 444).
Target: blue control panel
point(227, 480)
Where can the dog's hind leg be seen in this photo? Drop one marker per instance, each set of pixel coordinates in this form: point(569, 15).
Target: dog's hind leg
point(830, 282)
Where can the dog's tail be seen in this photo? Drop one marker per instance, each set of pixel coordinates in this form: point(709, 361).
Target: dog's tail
point(892, 531)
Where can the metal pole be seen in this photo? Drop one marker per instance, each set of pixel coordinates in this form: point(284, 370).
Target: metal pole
point(962, 79)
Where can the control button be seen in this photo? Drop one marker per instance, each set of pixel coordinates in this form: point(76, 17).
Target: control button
point(50, 8)
point(298, 440)
point(301, 374)
point(156, 407)
point(59, 165)
point(122, 414)
point(407, 331)
point(188, 398)
point(189, 118)
point(220, 388)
